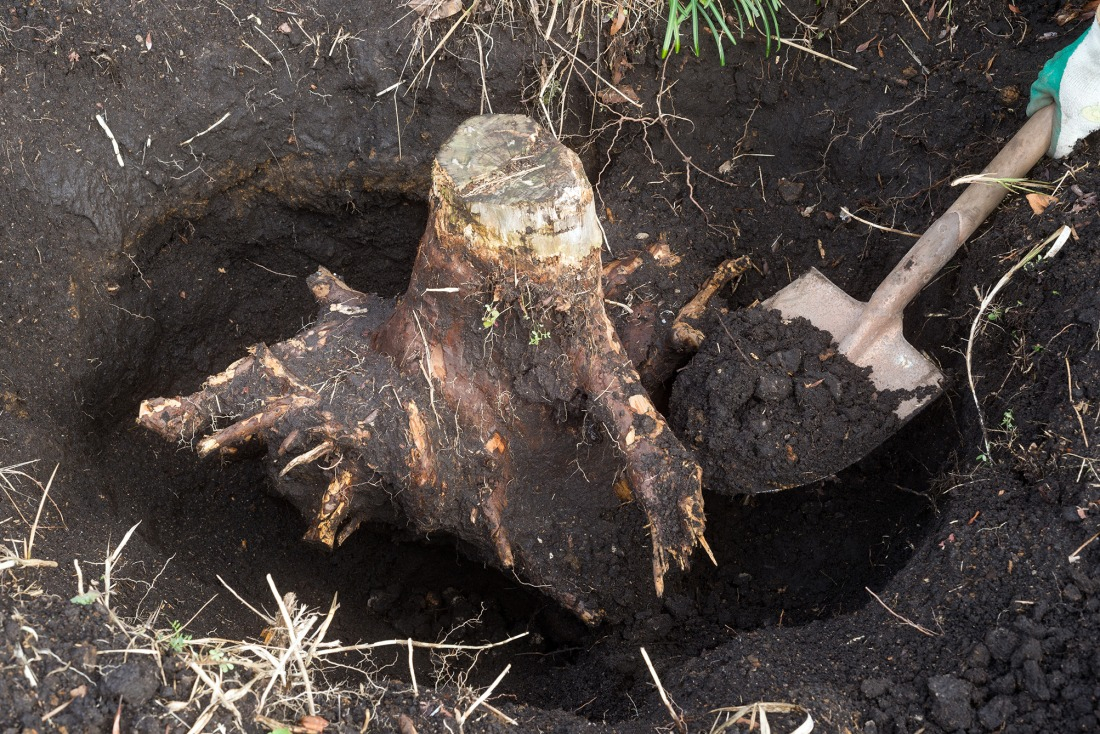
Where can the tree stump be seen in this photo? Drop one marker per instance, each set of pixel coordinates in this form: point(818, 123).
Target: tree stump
point(493, 401)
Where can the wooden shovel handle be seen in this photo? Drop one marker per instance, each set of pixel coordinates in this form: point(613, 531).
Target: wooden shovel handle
point(948, 233)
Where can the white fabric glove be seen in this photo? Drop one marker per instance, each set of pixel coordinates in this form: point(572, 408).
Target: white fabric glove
point(1071, 82)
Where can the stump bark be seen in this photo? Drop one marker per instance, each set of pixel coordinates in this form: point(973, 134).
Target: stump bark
point(493, 401)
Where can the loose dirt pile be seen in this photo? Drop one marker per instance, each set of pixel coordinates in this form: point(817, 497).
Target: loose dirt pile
point(770, 404)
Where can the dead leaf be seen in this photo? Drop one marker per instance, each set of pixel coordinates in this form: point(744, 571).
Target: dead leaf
point(1084, 200)
point(1069, 13)
point(1040, 202)
point(620, 18)
point(613, 96)
point(313, 724)
point(431, 10)
point(284, 28)
point(405, 725)
point(866, 44)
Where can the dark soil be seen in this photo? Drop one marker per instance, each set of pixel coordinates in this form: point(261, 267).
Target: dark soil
point(125, 283)
point(770, 404)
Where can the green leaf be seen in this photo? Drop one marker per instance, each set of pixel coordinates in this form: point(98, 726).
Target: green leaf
point(85, 599)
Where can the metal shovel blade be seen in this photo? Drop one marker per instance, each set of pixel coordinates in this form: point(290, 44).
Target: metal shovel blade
point(895, 363)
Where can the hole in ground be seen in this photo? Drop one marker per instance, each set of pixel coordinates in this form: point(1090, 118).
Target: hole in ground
point(198, 293)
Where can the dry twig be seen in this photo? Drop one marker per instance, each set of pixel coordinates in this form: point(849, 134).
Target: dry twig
point(919, 628)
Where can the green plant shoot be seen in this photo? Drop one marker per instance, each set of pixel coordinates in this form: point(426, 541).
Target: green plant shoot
point(492, 313)
point(751, 13)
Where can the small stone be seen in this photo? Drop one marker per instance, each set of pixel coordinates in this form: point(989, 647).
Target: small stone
point(977, 676)
point(133, 682)
point(1031, 650)
point(951, 707)
point(774, 387)
point(789, 360)
point(995, 714)
point(1035, 681)
point(789, 190)
point(1001, 643)
point(1005, 685)
point(979, 656)
point(874, 687)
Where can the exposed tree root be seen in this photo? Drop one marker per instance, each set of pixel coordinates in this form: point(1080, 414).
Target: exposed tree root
point(493, 401)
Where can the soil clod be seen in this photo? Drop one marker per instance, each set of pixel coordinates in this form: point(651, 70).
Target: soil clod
point(769, 404)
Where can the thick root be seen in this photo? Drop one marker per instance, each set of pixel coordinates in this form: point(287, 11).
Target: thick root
point(465, 407)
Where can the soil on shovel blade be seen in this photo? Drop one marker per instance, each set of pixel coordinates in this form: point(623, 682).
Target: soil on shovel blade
point(948, 582)
point(770, 404)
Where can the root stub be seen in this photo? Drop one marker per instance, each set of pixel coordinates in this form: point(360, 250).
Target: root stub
point(467, 405)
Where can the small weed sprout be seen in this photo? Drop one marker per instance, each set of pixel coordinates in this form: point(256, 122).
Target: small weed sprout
point(551, 91)
point(1055, 242)
point(87, 598)
point(1008, 421)
point(219, 657)
point(177, 640)
point(996, 313)
point(539, 334)
point(492, 313)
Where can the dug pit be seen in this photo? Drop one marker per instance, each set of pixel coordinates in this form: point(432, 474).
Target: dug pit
point(114, 292)
point(198, 292)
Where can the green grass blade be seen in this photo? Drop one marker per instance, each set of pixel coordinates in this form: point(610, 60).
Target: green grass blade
point(671, 28)
point(694, 5)
point(719, 15)
point(717, 38)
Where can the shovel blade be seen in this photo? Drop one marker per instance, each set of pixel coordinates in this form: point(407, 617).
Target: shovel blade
point(895, 363)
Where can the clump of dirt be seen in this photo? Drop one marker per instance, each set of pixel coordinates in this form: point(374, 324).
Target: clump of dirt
point(770, 403)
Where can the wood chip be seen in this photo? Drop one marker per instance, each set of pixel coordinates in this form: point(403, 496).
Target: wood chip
point(624, 93)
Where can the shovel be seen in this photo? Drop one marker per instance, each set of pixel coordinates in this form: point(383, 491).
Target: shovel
point(870, 334)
